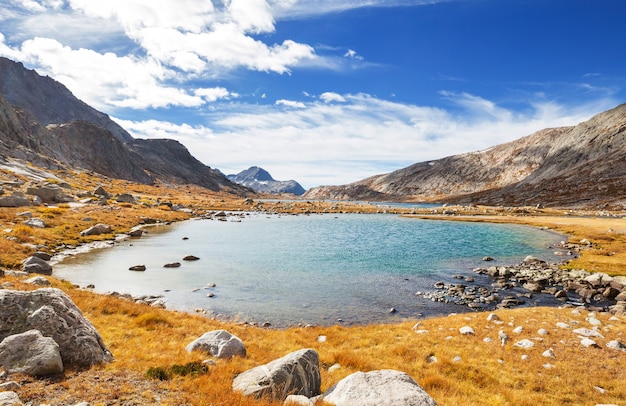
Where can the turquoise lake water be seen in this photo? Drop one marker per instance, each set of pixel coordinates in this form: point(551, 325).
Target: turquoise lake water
point(313, 269)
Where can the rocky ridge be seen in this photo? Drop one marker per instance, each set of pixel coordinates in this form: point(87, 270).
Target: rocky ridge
point(582, 165)
point(43, 124)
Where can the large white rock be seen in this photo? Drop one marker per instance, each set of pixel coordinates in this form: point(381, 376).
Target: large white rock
point(30, 353)
point(297, 373)
point(378, 388)
point(53, 313)
point(219, 343)
point(10, 399)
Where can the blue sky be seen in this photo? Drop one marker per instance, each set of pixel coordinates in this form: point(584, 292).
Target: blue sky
point(323, 91)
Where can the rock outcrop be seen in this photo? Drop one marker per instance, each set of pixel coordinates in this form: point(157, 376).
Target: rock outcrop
point(52, 312)
point(30, 353)
point(296, 373)
point(218, 343)
point(378, 388)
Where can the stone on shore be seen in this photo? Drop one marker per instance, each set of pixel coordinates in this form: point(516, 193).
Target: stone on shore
point(30, 353)
point(96, 230)
point(218, 343)
point(36, 265)
point(296, 373)
point(380, 388)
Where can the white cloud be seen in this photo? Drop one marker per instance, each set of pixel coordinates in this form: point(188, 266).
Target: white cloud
point(175, 41)
point(351, 54)
point(290, 103)
point(214, 94)
point(319, 143)
point(300, 8)
point(330, 97)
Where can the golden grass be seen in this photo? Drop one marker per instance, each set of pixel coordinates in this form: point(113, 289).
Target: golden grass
point(141, 338)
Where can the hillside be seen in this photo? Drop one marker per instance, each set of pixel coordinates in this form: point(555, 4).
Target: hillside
point(259, 180)
point(42, 123)
point(569, 166)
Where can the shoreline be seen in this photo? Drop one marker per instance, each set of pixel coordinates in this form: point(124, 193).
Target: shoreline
point(502, 289)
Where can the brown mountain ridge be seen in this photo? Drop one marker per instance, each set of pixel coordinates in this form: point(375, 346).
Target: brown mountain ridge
point(582, 165)
point(44, 124)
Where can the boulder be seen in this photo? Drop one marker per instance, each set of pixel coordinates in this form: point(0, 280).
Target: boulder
point(49, 193)
point(598, 279)
point(532, 286)
point(218, 343)
point(125, 198)
point(100, 191)
point(96, 230)
point(35, 223)
point(43, 255)
point(384, 387)
point(38, 280)
point(14, 201)
point(30, 353)
point(297, 373)
point(53, 313)
point(36, 265)
point(10, 399)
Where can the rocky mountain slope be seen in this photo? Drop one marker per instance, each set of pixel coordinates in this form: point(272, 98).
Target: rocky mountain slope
point(570, 166)
point(259, 180)
point(41, 122)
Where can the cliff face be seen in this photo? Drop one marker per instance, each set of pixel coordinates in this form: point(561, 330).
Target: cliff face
point(583, 164)
point(43, 123)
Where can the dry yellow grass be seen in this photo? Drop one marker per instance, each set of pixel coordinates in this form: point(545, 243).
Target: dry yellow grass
point(142, 337)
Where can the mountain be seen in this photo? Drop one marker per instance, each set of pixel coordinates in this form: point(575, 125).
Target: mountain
point(569, 166)
point(43, 123)
point(259, 180)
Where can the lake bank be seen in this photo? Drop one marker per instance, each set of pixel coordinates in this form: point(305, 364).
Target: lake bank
point(314, 269)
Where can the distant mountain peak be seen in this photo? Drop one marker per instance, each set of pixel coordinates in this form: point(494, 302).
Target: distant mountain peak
point(259, 180)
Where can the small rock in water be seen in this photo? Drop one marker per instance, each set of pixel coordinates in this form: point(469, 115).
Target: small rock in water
point(172, 265)
point(138, 268)
point(210, 295)
point(191, 258)
point(393, 310)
